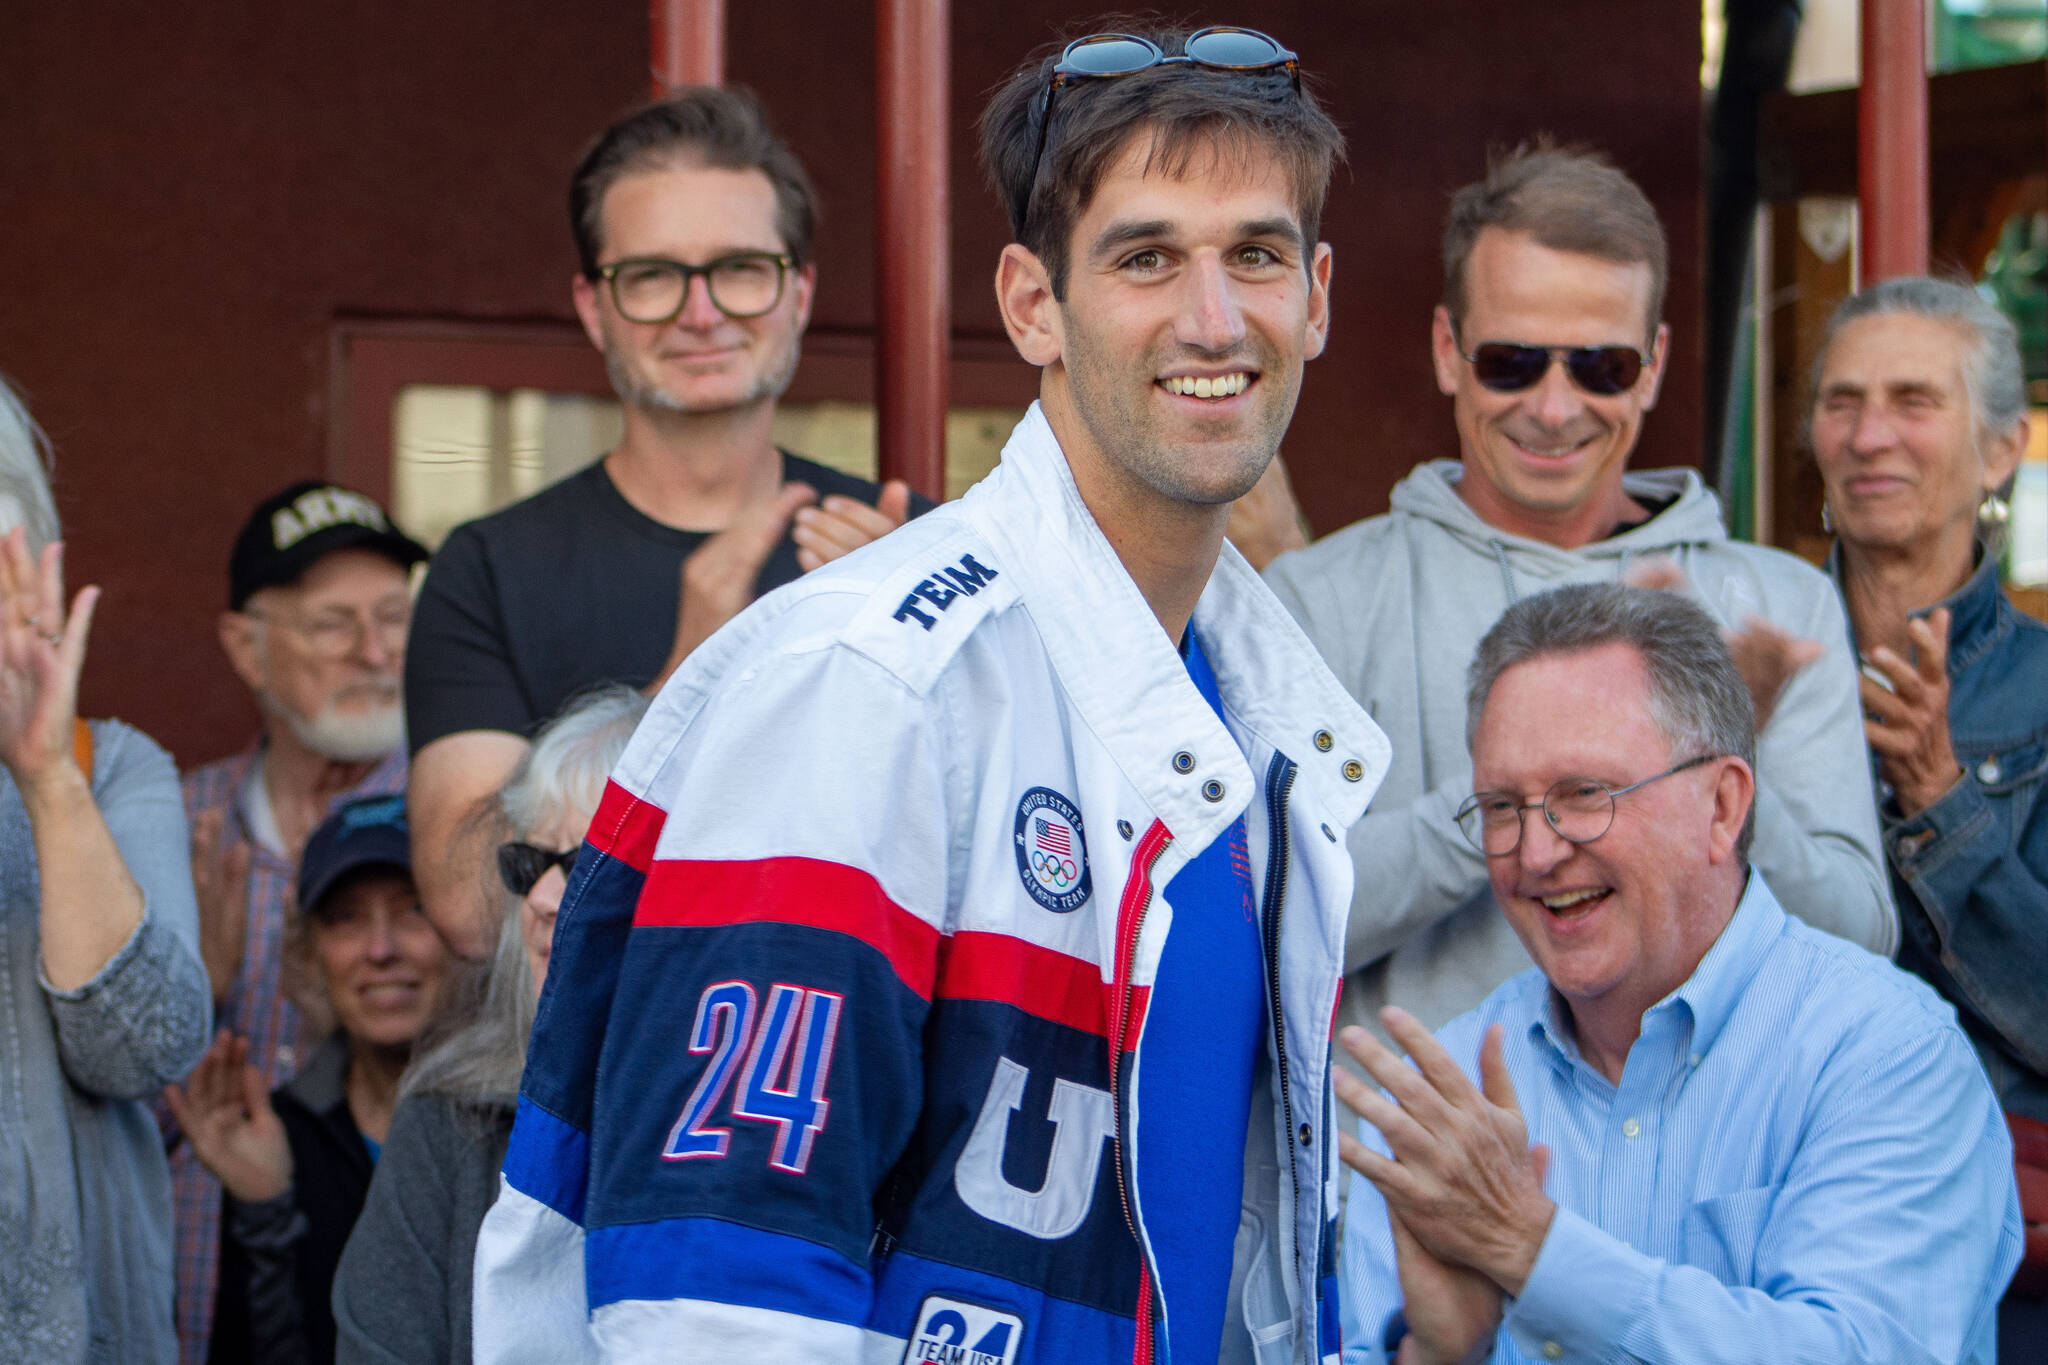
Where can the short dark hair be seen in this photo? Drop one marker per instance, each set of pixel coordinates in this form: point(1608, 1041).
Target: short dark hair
point(719, 127)
point(1185, 109)
point(1698, 700)
point(1568, 198)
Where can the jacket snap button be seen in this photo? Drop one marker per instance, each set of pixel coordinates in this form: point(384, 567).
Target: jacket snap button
point(1212, 790)
point(1183, 762)
point(1354, 771)
point(1325, 740)
point(1123, 827)
point(1989, 771)
point(1307, 1135)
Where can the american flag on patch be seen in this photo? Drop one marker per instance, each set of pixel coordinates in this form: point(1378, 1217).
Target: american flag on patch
point(1053, 838)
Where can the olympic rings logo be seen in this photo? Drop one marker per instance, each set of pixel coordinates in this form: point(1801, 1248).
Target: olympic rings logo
point(1061, 872)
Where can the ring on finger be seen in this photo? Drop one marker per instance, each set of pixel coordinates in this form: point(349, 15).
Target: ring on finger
point(54, 639)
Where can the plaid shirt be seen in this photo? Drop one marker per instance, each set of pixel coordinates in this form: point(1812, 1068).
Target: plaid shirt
point(256, 1009)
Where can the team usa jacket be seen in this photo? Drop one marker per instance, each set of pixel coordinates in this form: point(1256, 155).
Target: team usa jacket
point(835, 1058)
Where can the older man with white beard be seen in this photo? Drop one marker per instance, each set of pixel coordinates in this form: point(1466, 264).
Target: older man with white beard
point(319, 604)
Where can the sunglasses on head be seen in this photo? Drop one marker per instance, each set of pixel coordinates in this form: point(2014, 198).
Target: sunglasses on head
point(1510, 367)
point(1100, 56)
point(520, 865)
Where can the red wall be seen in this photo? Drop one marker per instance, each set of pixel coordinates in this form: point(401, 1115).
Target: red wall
point(191, 196)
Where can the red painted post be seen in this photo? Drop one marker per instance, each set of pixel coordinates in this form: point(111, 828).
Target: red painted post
point(912, 260)
point(686, 44)
point(1891, 160)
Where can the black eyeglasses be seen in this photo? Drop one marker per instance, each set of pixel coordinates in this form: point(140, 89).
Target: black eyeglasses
point(745, 284)
point(1510, 367)
point(1579, 809)
point(520, 865)
point(1100, 56)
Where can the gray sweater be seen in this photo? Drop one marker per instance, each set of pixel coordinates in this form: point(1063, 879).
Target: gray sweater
point(401, 1296)
point(1397, 605)
point(85, 1196)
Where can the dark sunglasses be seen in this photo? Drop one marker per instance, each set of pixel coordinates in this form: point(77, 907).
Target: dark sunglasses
point(1101, 56)
point(520, 865)
point(1510, 367)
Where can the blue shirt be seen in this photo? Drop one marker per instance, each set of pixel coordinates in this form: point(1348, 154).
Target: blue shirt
point(1802, 1162)
point(1203, 1031)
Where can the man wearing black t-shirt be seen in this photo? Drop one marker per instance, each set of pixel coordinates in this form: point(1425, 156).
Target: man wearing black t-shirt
point(693, 226)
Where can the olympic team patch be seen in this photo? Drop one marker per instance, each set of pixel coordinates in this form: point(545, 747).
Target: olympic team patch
point(955, 1332)
point(1052, 857)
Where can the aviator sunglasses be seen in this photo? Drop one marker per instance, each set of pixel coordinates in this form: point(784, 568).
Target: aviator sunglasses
point(1100, 56)
point(520, 864)
point(1510, 367)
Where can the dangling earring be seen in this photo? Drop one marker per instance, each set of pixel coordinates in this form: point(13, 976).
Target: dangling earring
point(1827, 520)
point(1993, 513)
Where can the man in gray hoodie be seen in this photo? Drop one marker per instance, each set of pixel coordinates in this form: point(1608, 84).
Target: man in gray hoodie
point(1549, 343)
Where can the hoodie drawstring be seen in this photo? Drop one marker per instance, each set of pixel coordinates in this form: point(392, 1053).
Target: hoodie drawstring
point(1507, 573)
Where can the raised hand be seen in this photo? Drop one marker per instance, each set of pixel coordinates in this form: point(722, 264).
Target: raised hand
point(224, 1110)
point(718, 577)
point(1765, 656)
point(1906, 725)
point(220, 876)
point(1463, 1178)
point(1453, 1311)
point(42, 652)
point(841, 524)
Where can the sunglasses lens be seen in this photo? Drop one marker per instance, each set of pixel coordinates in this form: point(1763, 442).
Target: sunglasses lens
point(520, 866)
point(1605, 370)
point(1507, 368)
point(1108, 54)
point(1234, 47)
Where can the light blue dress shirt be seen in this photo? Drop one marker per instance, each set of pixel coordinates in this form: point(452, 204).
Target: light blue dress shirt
point(1802, 1162)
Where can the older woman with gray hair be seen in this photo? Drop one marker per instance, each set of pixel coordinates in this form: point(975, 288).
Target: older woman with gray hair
point(402, 1292)
point(1919, 419)
point(103, 997)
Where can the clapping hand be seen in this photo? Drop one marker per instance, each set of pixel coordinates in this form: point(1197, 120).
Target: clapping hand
point(1906, 724)
point(718, 577)
point(840, 525)
point(220, 877)
point(1765, 656)
point(224, 1110)
point(42, 652)
point(1463, 1179)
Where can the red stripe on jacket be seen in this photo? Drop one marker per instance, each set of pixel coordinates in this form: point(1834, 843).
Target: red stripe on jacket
point(1041, 981)
point(626, 826)
point(690, 893)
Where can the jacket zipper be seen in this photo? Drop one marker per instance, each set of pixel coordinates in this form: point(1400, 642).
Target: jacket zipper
point(1279, 784)
point(1154, 842)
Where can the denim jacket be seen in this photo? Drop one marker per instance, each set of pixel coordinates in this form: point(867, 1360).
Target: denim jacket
point(1970, 872)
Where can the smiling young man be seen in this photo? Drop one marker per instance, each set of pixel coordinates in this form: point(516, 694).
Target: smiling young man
point(693, 225)
point(1755, 1141)
point(1550, 345)
point(948, 975)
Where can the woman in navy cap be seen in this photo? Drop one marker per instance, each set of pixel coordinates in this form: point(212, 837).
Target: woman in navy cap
point(296, 1163)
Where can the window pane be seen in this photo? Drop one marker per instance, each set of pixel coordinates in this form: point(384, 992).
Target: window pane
point(462, 452)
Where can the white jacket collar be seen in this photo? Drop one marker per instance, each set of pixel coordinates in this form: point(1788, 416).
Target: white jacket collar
point(1129, 683)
